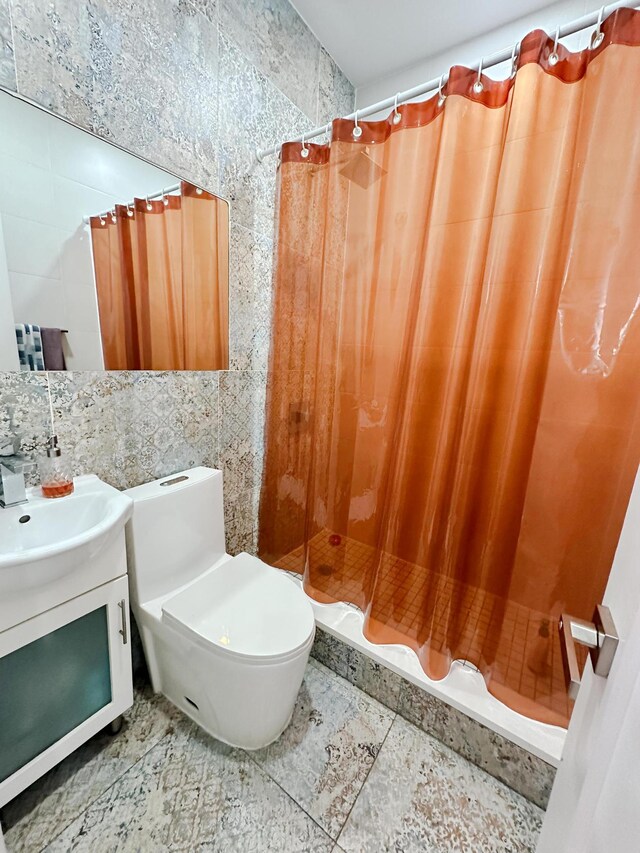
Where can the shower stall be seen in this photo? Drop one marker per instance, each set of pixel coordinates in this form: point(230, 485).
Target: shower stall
point(452, 413)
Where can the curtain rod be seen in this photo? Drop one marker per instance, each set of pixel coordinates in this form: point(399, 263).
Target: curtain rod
point(105, 213)
point(572, 27)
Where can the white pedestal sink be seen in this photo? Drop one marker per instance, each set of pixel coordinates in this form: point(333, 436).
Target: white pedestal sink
point(65, 659)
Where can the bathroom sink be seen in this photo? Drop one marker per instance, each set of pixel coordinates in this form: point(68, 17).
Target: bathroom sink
point(44, 527)
point(49, 548)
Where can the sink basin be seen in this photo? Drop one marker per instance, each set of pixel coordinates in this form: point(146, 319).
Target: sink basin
point(44, 527)
point(51, 548)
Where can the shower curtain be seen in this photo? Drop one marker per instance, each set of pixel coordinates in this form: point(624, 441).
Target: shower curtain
point(452, 411)
point(162, 282)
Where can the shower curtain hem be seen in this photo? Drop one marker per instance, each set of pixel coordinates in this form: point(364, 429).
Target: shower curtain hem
point(463, 689)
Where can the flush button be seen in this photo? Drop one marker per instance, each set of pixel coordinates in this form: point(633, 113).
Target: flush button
point(174, 480)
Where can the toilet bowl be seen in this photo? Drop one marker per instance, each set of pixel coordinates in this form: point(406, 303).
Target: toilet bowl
point(226, 639)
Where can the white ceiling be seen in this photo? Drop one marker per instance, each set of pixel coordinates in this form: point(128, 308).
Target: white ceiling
point(372, 38)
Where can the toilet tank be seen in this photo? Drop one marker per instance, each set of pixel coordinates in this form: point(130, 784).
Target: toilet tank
point(176, 531)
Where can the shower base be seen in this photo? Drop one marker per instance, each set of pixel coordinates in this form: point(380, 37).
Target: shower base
point(463, 688)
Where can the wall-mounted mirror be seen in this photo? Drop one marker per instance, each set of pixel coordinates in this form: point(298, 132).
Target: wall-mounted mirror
point(106, 261)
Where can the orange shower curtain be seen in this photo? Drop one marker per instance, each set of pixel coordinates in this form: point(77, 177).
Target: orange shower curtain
point(162, 282)
point(452, 414)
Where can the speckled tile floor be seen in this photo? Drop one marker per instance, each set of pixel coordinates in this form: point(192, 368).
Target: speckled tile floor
point(347, 775)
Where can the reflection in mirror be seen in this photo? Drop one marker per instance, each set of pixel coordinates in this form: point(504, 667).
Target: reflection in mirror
point(106, 262)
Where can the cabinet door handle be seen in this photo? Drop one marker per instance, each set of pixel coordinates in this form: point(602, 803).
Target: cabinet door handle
point(123, 617)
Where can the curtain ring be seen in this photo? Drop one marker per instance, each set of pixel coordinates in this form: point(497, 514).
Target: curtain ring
point(515, 57)
point(113, 216)
point(441, 95)
point(553, 56)
point(304, 151)
point(397, 117)
point(478, 86)
point(103, 221)
point(598, 36)
point(149, 205)
point(130, 209)
point(357, 130)
point(199, 190)
point(164, 198)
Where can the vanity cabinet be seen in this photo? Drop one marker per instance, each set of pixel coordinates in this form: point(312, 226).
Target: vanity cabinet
point(65, 652)
point(64, 675)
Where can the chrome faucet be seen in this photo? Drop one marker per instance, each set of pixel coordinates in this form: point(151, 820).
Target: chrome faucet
point(13, 487)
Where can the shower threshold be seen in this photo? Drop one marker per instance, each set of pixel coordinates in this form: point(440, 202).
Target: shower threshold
point(464, 687)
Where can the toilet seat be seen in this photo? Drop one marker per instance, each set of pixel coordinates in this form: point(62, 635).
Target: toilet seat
point(244, 609)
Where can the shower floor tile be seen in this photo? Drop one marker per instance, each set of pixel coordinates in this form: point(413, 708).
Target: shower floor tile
point(528, 658)
point(348, 775)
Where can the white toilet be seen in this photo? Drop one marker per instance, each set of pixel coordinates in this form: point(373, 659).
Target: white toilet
point(226, 639)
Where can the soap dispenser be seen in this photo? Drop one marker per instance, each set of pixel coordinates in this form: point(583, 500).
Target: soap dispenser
point(55, 476)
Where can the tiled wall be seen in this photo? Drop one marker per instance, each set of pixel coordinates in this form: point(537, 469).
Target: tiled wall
point(196, 86)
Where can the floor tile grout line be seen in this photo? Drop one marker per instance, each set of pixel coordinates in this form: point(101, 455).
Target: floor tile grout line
point(292, 798)
point(108, 788)
point(476, 762)
point(364, 781)
point(287, 794)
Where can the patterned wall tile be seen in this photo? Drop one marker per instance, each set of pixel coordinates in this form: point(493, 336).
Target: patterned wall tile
point(24, 410)
point(52, 46)
point(129, 428)
point(336, 96)
point(240, 453)
point(241, 427)
point(359, 669)
point(174, 421)
point(251, 260)
point(240, 514)
point(7, 63)
point(253, 113)
point(149, 76)
point(276, 40)
point(150, 82)
point(91, 415)
point(330, 651)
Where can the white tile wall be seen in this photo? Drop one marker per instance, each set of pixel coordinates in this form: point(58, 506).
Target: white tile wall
point(8, 351)
point(38, 299)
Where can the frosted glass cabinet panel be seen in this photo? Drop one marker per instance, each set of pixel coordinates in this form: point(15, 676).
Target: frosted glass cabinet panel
point(65, 674)
point(51, 686)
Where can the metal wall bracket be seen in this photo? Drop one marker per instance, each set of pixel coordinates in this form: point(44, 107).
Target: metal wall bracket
point(599, 636)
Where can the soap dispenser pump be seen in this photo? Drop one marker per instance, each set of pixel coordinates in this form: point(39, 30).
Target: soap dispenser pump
point(55, 477)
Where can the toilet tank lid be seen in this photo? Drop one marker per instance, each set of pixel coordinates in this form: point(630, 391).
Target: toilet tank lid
point(172, 483)
point(246, 608)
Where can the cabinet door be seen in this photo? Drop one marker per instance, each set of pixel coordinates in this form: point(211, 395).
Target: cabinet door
point(63, 676)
